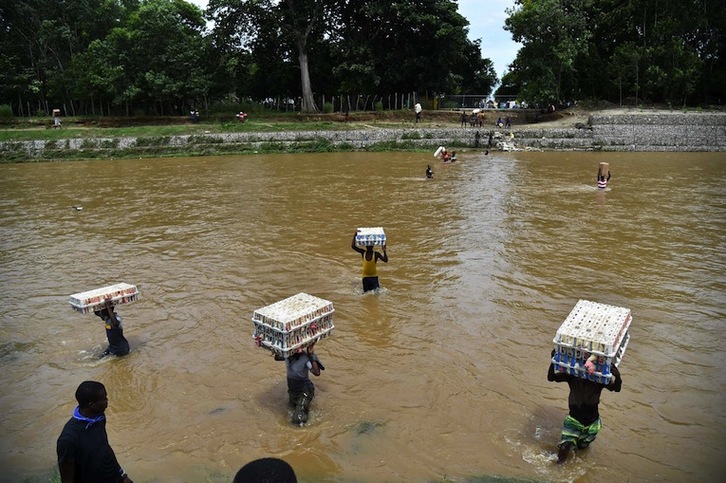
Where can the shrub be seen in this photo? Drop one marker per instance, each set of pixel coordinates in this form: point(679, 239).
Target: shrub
point(378, 106)
point(328, 107)
point(6, 112)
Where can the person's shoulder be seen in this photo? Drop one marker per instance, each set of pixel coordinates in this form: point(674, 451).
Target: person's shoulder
point(70, 431)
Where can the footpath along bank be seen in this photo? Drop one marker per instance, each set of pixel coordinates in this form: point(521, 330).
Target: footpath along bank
point(648, 131)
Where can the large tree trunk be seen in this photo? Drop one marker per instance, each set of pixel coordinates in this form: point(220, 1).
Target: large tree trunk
point(308, 102)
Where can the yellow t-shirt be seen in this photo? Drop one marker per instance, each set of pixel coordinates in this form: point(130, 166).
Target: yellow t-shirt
point(369, 266)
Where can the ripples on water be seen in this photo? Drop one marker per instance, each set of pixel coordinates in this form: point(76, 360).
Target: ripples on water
point(442, 373)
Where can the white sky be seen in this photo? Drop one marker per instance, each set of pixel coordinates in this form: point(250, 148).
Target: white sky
point(486, 22)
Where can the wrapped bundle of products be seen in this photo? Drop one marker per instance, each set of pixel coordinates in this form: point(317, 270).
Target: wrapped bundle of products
point(595, 333)
point(370, 237)
point(120, 293)
point(293, 323)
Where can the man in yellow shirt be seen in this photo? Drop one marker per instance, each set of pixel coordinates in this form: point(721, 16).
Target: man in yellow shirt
point(370, 258)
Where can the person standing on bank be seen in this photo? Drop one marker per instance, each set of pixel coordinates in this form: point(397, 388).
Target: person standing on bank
point(370, 258)
point(84, 454)
point(583, 422)
point(300, 389)
point(117, 343)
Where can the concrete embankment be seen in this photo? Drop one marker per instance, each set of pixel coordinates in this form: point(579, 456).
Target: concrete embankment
point(642, 131)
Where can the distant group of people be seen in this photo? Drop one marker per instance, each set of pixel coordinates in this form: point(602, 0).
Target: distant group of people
point(506, 123)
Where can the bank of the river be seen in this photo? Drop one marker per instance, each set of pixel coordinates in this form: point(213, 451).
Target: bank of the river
point(609, 130)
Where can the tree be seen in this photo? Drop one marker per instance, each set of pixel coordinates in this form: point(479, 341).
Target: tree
point(293, 22)
point(553, 34)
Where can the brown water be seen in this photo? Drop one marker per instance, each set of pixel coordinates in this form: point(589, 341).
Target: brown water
point(441, 375)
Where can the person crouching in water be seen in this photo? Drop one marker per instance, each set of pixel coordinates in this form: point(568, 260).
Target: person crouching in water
point(429, 172)
point(117, 343)
point(300, 388)
point(370, 258)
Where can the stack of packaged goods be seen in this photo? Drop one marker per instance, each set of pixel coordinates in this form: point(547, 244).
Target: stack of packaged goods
point(293, 323)
point(593, 332)
point(121, 293)
point(370, 237)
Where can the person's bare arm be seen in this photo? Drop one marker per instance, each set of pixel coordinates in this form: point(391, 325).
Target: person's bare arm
point(356, 247)
point(313, 360)
point(111, 313)
point(383, 256)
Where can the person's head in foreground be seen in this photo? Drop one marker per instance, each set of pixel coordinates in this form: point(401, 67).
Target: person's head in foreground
point(266, 470)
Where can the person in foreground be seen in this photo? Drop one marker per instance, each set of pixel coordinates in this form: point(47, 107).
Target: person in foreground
point(583, 422)
point(370, 258)
point(117, 343)
point(266, 470)
point(84, 454)
point(300, 388)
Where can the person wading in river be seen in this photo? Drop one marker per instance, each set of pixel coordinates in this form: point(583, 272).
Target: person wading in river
point(370, 258)
point(583, 423)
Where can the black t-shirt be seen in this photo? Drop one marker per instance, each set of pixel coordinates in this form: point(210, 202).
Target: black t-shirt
point(88, 448)
point(584, 395)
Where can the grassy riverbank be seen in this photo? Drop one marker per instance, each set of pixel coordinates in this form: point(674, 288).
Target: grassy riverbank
point(35, 139)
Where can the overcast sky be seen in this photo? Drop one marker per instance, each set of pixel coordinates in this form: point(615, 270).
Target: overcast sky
point(486, 22)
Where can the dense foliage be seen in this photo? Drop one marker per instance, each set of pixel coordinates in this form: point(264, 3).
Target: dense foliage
point(161, 57)
point(635, 51)
point(137, 57)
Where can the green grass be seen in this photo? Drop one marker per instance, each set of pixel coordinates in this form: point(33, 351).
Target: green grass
point(69, 131)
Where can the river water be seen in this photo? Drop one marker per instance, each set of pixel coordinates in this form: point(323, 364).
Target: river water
point(440, 375)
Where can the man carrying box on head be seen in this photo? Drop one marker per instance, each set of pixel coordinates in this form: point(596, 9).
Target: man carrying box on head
point(370, 258)
point(300, 388)
point(583, 423)
point(117, 343)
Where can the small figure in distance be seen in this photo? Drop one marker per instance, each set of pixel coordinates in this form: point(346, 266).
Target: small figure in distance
point(417, 109)
point(452, 157)
point(117, 343)
point(83, 450)
point(583, 422)
point(602, 182)
point(429, 172)
point(266, 470)
point(370, 258)
point(300, 388)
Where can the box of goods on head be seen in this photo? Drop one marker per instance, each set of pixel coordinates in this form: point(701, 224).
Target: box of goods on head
point(593, 331)
point(120, 293)
point(370, 237)
point(293, 323)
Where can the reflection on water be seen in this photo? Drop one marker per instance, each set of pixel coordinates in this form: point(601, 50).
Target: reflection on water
point(441, 374)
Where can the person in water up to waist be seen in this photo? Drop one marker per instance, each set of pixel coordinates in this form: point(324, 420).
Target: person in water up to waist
point(602, 182)
point(583, 423)
point(117, 343)
point(370, 258)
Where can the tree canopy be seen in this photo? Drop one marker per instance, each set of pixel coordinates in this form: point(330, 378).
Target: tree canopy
point(653, 51)
point(161, 57)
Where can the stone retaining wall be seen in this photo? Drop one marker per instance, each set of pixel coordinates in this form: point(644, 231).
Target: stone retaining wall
point(603, 132)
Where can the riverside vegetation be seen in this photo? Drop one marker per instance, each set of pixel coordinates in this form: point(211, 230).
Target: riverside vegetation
point(34, 139)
